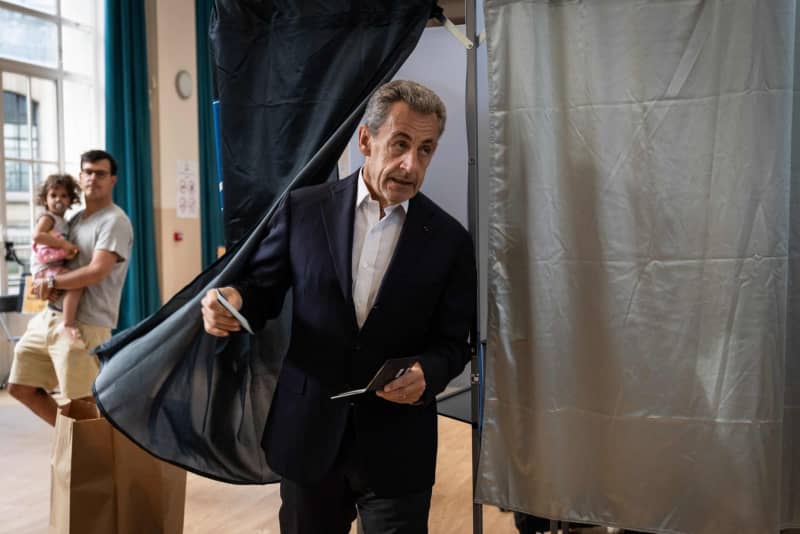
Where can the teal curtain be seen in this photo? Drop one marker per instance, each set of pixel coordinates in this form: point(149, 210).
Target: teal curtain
point(128, 140)
point(211, 229)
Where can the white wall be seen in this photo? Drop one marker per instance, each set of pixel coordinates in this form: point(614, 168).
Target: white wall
point(174, 130)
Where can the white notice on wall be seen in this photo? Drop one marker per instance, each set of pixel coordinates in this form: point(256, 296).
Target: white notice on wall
point(187, 204)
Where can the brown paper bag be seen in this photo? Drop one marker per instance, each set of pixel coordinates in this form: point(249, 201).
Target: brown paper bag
point(102, 483)
point(150, 494)
point(82, 474)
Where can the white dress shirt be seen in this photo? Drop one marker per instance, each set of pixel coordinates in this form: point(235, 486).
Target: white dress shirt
point(374, 241)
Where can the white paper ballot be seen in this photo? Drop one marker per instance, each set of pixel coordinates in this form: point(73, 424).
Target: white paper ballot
point(236, 315)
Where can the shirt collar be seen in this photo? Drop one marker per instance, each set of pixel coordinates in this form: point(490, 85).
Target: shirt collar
point(363, 194)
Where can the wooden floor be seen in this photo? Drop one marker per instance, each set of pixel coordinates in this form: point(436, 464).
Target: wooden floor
point(213, 507)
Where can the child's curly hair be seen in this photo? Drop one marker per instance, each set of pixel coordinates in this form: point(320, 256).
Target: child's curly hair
point(59, 180)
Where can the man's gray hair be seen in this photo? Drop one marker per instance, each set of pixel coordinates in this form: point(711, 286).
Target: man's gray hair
point(418, 97)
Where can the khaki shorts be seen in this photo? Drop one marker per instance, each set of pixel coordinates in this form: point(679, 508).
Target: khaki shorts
point(44, 359)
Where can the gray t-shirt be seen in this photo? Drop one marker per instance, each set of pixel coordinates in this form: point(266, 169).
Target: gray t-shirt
point(108, 229)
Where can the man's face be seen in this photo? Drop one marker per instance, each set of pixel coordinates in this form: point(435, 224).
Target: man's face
point(97, 182)
point(398, 155)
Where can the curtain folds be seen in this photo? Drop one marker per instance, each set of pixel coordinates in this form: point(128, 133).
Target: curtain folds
point(211, 231)
point(128, 140)
point(641, 370)
point(286, 75)
point(199, 401)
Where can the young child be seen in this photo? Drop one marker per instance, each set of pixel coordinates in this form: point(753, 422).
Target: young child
point(51, 250)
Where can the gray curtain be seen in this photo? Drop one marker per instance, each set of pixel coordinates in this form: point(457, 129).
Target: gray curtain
point(643, 232)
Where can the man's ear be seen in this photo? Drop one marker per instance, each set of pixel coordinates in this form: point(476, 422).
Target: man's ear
point(363, 139)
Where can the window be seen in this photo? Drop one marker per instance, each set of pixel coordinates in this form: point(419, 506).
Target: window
point(52, 109)
point(15, 121)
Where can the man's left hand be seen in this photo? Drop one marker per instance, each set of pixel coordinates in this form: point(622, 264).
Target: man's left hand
point(407, 389)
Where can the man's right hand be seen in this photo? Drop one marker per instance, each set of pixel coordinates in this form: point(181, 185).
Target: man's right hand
point(218, 321)
point(39, 289)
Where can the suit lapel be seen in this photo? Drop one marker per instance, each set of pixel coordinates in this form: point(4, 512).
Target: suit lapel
point(411, 244)
point(338, 213)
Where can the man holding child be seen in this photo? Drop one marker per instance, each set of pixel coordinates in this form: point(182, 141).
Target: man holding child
point(45, 358)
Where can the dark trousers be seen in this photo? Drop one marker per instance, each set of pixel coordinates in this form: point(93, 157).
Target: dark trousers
point(330, 506)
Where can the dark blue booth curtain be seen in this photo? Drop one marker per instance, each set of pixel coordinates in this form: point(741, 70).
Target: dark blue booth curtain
point(211, 217)
point(287, 74)
point(199, 401)
point(128, 140)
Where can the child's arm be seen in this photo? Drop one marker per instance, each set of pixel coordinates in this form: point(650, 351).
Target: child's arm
point(42, 235)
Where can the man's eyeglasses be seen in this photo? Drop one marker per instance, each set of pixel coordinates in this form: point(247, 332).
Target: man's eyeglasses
point(97, 173)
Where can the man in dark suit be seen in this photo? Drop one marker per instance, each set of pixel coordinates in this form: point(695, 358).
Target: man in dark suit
point(378, 271)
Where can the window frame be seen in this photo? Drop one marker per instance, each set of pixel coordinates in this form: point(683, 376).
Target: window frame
point(59, 76)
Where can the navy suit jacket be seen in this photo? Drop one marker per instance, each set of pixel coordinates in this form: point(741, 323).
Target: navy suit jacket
point(424, 308)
